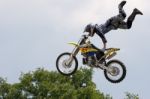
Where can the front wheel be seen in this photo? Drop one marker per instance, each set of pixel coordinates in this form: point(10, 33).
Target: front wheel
point(66, 64)
point(116, 71)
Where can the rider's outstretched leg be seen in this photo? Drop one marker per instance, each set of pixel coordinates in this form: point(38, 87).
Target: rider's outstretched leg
point(132, 17)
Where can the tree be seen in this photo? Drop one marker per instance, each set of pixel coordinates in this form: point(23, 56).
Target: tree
point(131, 96)
point(42, 84)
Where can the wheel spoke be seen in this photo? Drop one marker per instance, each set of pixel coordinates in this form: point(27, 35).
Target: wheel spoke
point(116, 71)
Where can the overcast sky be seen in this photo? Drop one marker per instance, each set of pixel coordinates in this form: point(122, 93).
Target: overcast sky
point(34, 32)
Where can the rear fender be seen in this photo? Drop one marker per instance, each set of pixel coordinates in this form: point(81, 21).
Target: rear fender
point(111, 52)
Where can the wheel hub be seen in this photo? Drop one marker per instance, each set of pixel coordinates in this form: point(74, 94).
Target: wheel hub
point(66, 63)
point(114, 71)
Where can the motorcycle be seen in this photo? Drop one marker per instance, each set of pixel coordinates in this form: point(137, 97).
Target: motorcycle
point(114, 70)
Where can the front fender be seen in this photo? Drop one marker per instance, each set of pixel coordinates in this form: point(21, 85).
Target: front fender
point(74, 44)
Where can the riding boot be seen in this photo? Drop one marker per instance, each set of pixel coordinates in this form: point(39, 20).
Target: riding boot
point(121, 5)
point(121, 11)
point(132, 17)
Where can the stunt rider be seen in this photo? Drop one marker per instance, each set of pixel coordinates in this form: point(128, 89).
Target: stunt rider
point(113, 23)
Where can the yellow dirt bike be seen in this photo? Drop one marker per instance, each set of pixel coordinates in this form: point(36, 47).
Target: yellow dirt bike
point(114, 70)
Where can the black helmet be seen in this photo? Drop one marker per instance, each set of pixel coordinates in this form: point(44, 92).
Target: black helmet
point(90, 29)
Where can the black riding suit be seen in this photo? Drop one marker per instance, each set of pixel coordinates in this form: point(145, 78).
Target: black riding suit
point(116, 22)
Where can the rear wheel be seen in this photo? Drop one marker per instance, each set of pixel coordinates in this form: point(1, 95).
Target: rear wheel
point(66, 64)
point(116, 71)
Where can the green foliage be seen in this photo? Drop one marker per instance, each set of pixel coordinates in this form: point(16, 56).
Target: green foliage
point(131, 96)
point(42, 84)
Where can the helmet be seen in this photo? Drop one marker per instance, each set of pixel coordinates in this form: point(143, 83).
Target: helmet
point(90, 29)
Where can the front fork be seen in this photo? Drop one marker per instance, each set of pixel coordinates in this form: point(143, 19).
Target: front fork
point(73, 54)
point(76, 49)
